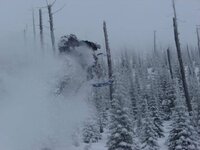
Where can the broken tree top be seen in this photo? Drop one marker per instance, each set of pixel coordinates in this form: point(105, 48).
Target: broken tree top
point(68, 43)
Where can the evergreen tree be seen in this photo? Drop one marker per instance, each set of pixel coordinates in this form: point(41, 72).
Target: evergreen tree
point(139, 109)
point(149, 135)
point(120, 137)
point(197, 115)
point(164, 91)
point(153, 102)
point(100, 95)
point(194, 95)
point(100, 105)
point(90, 132)
point(182, 135)
point(168, 100)
point(155, 115)
point(126, 72)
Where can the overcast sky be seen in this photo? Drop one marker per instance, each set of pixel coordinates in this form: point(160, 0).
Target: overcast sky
point(130, 22)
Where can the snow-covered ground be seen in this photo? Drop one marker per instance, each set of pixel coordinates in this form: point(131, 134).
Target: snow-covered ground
point(32, 116)
point(163, 141)
point(101, 145)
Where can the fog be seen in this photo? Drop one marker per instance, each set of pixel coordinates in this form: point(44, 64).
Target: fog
point(31, 115)
point(130, 23)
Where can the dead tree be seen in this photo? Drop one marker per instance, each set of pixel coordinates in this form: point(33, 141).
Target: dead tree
point(41, 29)
point(34, 30)
point(182, 70)
point(165, 58)
point(51, 22)
point(198, 40)
point(155, 46)
point(49, 7)
point(188, 53)
point(25, 35)
point(169, 62)
point(109, 61)
point(190, 65)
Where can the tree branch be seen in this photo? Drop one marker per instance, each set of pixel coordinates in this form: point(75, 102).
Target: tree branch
point(59, 9)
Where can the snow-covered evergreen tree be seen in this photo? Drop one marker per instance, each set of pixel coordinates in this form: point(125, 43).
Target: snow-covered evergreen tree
point(163, 88)
point(182, 135)
point(168, 100)
point(149, 134)
point(100, 103)
point(126, 71)
point(139, 109)
point(120, 137)
point(155, 115)
point(91, 132)
point(100, 94)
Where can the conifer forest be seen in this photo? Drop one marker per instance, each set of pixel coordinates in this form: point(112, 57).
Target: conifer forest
point(99, 75)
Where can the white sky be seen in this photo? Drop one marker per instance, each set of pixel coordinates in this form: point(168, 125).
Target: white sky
point(130, 22)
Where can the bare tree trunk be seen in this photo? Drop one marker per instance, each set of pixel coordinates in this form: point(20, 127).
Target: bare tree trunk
point(169, 62)
point(34, 30)
point(188, 53)
point(108, 59)
point(51, 28)
point(198, 40)
point(25, 35)
point(155, 45)
point(190, 65)
point(178, 47)
point(165, 58)
point(41, 29)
